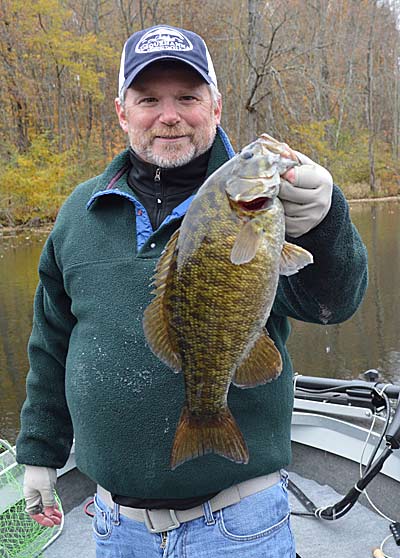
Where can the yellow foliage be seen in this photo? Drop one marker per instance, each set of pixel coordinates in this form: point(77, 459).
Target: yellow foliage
point(311, 138)
point(349, 163)
point(35, 184)
point(59, 70)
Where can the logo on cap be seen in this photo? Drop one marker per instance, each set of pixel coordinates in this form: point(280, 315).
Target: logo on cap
point(163, 38)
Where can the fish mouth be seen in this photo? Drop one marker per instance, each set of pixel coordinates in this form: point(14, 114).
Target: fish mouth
point(257, 204)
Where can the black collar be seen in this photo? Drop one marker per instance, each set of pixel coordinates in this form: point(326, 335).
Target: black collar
point(183, 180)
point(161, 190)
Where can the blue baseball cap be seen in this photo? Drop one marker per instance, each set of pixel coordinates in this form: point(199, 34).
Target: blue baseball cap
point(163, 42)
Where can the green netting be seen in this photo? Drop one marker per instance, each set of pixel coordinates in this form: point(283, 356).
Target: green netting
point(20, 536)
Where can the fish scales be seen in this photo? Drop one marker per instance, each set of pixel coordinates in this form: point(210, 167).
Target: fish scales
point(216, 284)
point(217, 302)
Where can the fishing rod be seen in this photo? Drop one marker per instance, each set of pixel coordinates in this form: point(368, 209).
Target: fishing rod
point(379, 395)
point(346, 392)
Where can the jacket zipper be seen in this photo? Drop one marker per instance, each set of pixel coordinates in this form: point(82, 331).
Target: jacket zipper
point(164, 540)
point(157, 180)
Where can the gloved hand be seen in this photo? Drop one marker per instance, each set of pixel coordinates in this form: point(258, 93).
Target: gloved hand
point(305, 191)
point(39, 484)
point(306, 195)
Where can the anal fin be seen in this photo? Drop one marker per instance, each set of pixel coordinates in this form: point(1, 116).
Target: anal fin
point(262, 365)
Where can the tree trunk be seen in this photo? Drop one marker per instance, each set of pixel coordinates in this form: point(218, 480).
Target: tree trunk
point(370, 99)
point(396, 109)
point(254, 8)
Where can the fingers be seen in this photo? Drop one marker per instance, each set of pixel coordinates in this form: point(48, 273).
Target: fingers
point(50, 516)
point(39, 485)
point(48, 499)
point(298, 195)
point(283, 148)
point(307, 199)
point(298, 211)
point(289, 153)
point(312, 176)
point(308, 177)
point(289, 175)
point(36, 500)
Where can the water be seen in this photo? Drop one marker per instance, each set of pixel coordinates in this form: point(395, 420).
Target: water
point(371, 339)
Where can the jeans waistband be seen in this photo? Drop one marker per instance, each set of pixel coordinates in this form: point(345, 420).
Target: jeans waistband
point(158, 521)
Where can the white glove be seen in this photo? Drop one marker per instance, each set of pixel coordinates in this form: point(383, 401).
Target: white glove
point(39, 485)
point(307, 197)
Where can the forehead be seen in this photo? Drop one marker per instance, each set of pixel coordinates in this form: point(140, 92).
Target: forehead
point(167, 74)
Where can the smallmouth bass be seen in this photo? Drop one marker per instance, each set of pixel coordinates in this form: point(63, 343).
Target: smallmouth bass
point(215, 285)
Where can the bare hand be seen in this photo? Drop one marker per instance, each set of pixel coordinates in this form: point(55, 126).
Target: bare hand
point(50, 517)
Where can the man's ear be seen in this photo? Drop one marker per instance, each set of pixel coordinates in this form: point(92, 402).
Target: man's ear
point(121, 114)
point(218, 111)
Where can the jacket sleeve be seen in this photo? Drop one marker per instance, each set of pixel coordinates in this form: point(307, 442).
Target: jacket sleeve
point(329, 290)
point(46, 433)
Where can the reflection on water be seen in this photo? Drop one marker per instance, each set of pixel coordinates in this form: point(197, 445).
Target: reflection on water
point(371, 339)
point(19, 256)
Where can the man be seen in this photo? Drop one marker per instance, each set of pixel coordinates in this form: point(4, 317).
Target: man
point(92, 375)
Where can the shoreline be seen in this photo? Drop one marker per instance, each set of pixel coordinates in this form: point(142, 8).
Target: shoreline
point(46, 227)
point(369, 200)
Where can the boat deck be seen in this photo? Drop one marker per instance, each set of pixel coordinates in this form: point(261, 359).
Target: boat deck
point(355, 535)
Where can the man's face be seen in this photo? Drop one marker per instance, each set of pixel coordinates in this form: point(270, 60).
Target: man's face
point(169, 115)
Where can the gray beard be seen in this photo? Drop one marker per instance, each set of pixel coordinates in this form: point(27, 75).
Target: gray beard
point(165, 162)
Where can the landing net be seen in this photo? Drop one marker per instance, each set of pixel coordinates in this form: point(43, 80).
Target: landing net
point(20, 536)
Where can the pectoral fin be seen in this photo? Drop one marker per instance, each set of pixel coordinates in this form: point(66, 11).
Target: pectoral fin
point(247, 243)
point(263, 364)
point(293, 258)
point(155, 320)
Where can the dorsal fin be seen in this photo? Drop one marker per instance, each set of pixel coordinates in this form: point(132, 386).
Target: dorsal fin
point(155, 320)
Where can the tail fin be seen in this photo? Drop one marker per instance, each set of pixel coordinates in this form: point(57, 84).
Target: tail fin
point(197, 436)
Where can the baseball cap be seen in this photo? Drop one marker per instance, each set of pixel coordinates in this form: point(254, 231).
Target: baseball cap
point(163, 42)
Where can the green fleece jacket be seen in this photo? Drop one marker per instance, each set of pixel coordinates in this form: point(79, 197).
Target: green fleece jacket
point(93, 377)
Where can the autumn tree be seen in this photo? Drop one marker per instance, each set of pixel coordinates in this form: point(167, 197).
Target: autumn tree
point(322, 75)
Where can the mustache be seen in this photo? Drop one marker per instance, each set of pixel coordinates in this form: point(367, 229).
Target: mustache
point(171, 132)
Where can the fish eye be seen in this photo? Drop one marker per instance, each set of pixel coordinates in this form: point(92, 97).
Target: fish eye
point(247, 154)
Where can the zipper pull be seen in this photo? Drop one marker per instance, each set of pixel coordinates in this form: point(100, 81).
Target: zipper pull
point(164, 536)
point(157, 176)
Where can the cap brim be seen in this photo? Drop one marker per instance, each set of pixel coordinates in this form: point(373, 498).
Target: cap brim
point(129, 80)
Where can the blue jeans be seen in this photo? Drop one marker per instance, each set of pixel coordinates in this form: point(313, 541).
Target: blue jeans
point(256, 527)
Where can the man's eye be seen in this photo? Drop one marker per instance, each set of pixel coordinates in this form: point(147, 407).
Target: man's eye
point(148, 100)
point(188, 98)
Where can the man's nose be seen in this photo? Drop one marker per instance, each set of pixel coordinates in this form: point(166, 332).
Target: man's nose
point(169, 113)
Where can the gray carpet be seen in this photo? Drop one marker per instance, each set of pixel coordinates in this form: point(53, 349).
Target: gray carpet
point(76, 539)
point(353, 536)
